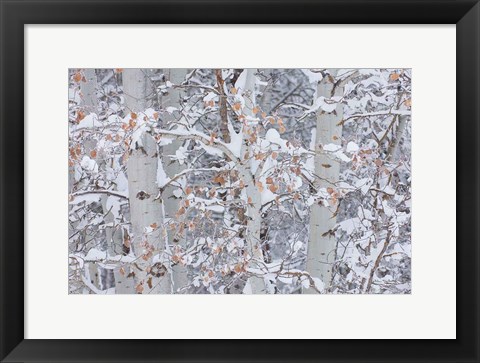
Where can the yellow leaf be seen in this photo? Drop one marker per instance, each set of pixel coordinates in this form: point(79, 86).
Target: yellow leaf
point(233, 91)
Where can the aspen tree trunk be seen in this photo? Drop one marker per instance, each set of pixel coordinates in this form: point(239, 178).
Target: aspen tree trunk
point(89, 104)
point(253, 208)
point(88, 89)
point(321, 244)
point(142, 166)
point(266, 101)
point(171, 168)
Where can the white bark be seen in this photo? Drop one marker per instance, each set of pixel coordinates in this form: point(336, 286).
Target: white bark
point(172, 168)
point(150, 276)
point(321, 244)
point(253, 209)
point(88, 89)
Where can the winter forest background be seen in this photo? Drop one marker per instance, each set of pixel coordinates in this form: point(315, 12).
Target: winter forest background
point(239, 181)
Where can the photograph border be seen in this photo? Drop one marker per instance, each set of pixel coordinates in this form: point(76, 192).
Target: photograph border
point(16, 14)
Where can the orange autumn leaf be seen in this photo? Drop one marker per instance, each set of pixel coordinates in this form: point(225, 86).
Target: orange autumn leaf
point(282, 129)
point(219, 179)
point(255, 110)
point(122, 271)
point(188, 190)
point(274, 155)
point(259, 156)
point(259, 186)
point(132, 123)
point(408, 102)
point(153, 225)
point(394, 76)
point(93, 154)
point(133, 115)
point(269, 180)
point(273, 188)
point(233, 91)
point(237, 106)
point(77, 77)
point(330, 190)
point(139, 288)
point(118, 70)
point(80, 116)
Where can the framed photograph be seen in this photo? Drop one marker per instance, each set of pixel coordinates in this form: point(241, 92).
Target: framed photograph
point(239, 181)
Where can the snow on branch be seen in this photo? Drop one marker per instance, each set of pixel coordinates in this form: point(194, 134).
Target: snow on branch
point(200, 137)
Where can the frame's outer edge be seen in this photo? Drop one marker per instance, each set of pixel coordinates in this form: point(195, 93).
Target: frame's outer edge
point(14, 14)
point(468, 180)
point(12, 180)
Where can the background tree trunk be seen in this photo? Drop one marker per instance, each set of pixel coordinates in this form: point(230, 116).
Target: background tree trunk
point(322, 244)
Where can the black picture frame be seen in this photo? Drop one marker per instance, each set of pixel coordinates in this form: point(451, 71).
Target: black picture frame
point(15, 14)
